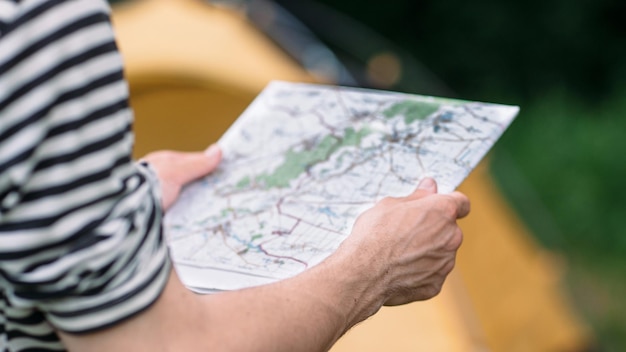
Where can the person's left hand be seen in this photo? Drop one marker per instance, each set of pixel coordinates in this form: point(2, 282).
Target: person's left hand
point(176, 169)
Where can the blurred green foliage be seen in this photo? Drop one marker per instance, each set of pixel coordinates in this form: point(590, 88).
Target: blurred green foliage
point(515, 46)
point(561, 164)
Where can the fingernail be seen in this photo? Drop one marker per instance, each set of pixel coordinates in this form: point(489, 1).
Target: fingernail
point(427, 184)
point(211, 150)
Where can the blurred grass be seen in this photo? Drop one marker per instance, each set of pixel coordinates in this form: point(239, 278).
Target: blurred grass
point(562, 166)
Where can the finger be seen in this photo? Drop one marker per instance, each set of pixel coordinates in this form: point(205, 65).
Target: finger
point(189, 166)
point(462, 204)
point(183, 167)
point(214, 154)
point(427, 186)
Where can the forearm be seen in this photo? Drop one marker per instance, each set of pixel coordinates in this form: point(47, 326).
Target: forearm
point(306, 313)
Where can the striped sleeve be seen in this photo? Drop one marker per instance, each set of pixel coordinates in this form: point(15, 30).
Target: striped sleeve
point(80, 223)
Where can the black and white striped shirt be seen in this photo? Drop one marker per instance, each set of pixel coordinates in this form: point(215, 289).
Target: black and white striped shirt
point(81, 246)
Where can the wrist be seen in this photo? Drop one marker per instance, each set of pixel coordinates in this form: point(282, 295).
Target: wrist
point(357, 284)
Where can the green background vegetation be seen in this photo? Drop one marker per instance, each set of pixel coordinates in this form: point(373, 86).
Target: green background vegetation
point(562, 164)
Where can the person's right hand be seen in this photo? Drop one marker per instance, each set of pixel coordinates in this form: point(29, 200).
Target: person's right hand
point(400, 251)
point(410, 243)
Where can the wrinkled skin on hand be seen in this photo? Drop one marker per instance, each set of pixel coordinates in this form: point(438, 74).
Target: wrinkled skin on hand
point(413, 241)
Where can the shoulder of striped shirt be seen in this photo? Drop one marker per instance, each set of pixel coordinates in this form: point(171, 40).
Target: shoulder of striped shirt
point(10, 9)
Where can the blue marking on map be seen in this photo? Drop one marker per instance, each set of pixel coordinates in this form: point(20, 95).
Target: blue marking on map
point(327, 211)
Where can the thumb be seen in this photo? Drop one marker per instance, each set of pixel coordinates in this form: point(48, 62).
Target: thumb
point(428, 184)
point(176, 169)
point(426, 187)
point(192, 165)
point(180, 168)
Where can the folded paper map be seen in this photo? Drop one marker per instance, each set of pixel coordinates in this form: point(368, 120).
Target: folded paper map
point(302, 162)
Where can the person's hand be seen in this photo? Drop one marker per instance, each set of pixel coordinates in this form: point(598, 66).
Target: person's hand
point(410, 242)
point(176, 169)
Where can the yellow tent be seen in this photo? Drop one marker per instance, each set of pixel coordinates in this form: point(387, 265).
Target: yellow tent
point(194, 67)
